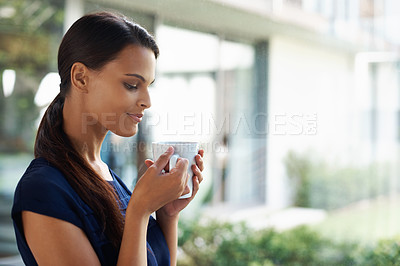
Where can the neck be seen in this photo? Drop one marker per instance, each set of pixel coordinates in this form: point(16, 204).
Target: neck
point(86, 137)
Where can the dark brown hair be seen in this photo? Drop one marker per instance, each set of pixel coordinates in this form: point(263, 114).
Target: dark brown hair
point(93, 40)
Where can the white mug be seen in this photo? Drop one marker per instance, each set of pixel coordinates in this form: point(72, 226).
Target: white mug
point(186, 150)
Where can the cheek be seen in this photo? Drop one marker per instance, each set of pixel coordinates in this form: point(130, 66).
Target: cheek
point(113, 117)
point(109, 103)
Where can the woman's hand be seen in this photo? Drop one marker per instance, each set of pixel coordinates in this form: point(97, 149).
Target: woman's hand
point(168, 215)
point(173, 208)
point(156, 188)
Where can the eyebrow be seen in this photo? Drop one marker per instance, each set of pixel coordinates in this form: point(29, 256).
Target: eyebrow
point(139, 77)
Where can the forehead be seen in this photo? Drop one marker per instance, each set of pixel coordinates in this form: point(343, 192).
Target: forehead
point(134, 59)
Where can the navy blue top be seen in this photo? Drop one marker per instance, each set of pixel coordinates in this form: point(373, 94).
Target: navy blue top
point(43, 189)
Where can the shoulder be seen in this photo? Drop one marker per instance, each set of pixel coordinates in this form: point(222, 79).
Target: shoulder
point(40, 170)
point(41, 179)
point(43, 189)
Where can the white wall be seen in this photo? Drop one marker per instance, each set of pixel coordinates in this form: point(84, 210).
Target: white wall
point(311, 108)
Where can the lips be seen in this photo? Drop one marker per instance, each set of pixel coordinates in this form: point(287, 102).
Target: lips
point(136, 117)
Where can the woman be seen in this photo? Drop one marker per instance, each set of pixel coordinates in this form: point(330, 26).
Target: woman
point(69, 207)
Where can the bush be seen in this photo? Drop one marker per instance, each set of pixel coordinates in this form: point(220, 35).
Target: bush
point(235, 244)
point(386, 253)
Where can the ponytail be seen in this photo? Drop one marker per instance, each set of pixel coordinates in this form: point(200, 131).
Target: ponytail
point(54, 145)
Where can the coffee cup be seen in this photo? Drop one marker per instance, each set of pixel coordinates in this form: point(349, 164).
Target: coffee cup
point(182, 149)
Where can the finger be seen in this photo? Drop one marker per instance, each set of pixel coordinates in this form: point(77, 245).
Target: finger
point(166, 168)
point(196, 186)
point(197, 172)
point(162, 161)
point(199, 162)
point(181, 166)
point(148, 162)
point(201, 152)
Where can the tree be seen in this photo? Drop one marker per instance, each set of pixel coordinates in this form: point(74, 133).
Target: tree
point(29, 34)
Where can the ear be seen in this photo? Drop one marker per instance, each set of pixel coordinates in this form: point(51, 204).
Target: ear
point(79, 76)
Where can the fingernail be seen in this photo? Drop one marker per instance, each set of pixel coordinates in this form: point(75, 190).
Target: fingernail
point(170, 148)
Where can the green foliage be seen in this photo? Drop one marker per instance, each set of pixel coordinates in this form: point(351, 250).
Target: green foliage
point(220, 244)
point(30, 32)
point(317, 184)
point(235, 244)
point(386, 253)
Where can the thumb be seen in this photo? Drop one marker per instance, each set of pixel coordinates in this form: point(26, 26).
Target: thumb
point(148, 163)
point(163, 160)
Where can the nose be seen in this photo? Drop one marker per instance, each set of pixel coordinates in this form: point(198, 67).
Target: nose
point(144, 99)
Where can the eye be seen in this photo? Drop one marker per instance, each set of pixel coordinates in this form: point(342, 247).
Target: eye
point(130, 87)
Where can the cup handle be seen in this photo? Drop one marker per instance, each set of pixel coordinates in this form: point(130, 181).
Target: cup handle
point(173, 160)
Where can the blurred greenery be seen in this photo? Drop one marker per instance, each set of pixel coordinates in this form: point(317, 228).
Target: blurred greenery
point(29, 35)
point(386, 252)
point(317, 184)
point(216, 243)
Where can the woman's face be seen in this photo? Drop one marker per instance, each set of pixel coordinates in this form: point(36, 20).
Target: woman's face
point(118, 93)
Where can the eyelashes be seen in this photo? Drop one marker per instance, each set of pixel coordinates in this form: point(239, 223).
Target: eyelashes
point(130, 87)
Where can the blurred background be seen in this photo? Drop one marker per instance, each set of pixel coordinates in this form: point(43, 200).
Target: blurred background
point(295, 102)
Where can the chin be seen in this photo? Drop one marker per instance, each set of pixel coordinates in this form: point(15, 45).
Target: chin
point(126, 133)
